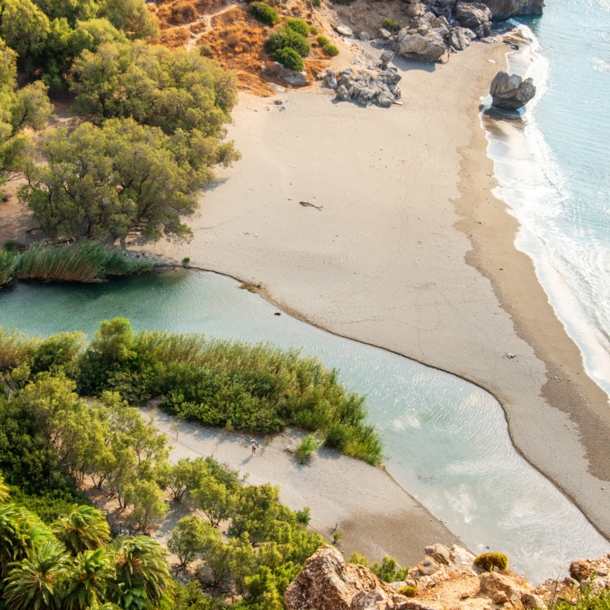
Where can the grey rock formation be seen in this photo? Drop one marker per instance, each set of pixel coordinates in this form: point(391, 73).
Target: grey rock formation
point(424, 44)
point(364, 36)
point(385, 59)
point(504, 9)
point(365, 88)
point(292, 77)
point(416, 9)
point(343, 30)
point(460, 38)
point(511, 92)
point(475, 16)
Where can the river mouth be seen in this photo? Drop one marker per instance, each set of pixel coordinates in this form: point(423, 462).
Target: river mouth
point(446, 440)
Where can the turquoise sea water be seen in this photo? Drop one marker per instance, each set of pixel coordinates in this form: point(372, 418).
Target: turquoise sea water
point(555, 169)
point(446, 440)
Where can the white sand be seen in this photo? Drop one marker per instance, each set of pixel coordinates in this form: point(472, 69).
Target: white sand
point(377, 517)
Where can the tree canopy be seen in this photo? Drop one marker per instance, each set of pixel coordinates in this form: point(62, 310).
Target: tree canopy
point(119, 178)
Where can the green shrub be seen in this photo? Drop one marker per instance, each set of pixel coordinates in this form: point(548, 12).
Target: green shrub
point(265, 13)
point(337, 537)
point(186, 260)
point(307, 447)
point(489, 561)
point(331, 50)
point(205, 50)
point(303, 516)
point(391, 25)
point(299, 26)
point(8, 262)
point(287, 38)
point(289, 58)
point(322, 41)
point(407, 591)
point(313, 30)
point(11, 246)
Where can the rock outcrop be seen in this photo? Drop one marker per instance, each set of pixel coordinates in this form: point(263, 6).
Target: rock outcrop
point(326, 582)
point(510, 91)
point(427, 45)
point(292, 77)
point(365, 88)
point(444, 579)
point(505, 9)
point(474, 16)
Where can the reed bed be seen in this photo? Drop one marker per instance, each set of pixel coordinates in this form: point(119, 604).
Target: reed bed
point(79, 262)
point(8, 261)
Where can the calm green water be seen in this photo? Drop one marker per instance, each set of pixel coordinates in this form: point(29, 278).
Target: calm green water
point(446, 440)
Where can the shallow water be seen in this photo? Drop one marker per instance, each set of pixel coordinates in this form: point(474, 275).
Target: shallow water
point(446, 440)
point(554, 169)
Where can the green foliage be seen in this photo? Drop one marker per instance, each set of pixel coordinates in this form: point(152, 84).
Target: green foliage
point(8, 261)
point(337, 536)
point(388, 571)
point(23, 26)
point(391, 25)
point(489, 561)
point(588, 599)
point(83, 261)
point(289, 58)
point(313, 30)
point(303, 516)
point(300, 26)
point(26, 107)
point(147, 500)
point(131, 16)
point(107, 182)
point(264, 13)
point(175, 91)
point(191, 597)
point(331, 50)
point(322, 40)
point(407, 591)
point(287, 38)
point(308, 445)
point(191, 538)
point(84, 529)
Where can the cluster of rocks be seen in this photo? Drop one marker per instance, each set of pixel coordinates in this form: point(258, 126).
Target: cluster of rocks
point(366, 87)
point(445, 578)
point(435, 27)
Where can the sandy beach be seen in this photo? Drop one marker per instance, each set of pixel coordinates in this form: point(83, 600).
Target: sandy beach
point(410, 252)
point(376, 516)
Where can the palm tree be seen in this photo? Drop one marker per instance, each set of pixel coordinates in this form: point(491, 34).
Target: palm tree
point(84, 529)
point(142, 573)
point(35, 582)
point(89, 577)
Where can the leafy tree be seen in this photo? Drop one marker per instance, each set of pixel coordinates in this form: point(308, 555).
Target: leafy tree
point(105, 183)
point(178, 90)
point(88, 580)
point(186, 475)
point(71, 10)
point(28, 107)
point(23, 26)
point(84, 529)
point(35, 583)
point(215, 499)
point(190, 538)
point(131, 16)
point(142, 573)
point(191, 597)
point(146, 498)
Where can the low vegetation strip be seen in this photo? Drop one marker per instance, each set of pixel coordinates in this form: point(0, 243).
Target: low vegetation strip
point(83, 261)
point(254, 388)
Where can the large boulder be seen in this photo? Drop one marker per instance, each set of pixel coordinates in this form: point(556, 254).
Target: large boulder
point(460, 38)
point(511, 92)
point(426, 45)
point(475, 16)
point(326, 582)
point(504, 9)
point(292, 77)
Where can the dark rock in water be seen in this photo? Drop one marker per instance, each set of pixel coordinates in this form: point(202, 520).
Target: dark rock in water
point(427, 45)
point(504, 9)
point(511, 92)
point(475, 16)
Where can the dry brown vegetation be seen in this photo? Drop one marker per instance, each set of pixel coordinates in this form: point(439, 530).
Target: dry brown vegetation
point(234, 37)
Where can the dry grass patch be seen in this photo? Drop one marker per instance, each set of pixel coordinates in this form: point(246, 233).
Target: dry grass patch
point(174, 38)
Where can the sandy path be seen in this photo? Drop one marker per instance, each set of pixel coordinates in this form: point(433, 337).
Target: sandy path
point(383, 262)
point(376, 516)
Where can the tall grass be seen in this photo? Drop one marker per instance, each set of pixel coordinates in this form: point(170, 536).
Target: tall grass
point(79, 262)
point(8, 261)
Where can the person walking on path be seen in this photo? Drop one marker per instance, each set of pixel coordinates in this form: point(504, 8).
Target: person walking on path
point(254, 445)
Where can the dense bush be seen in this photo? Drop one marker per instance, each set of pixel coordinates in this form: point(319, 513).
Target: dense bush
point(287, 38)
point(388, 570)
point(331, 50)
point(322, 40)
point(307, 447)
point(489, 561)
point(264, 13)
point(289, 58)
point(391, 25)
point(300, 26)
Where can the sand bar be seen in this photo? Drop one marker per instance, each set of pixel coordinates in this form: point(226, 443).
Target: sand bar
point(377, 517)
point(397, 258)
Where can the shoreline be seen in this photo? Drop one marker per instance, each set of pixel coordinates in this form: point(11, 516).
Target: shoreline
point(536, 411)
